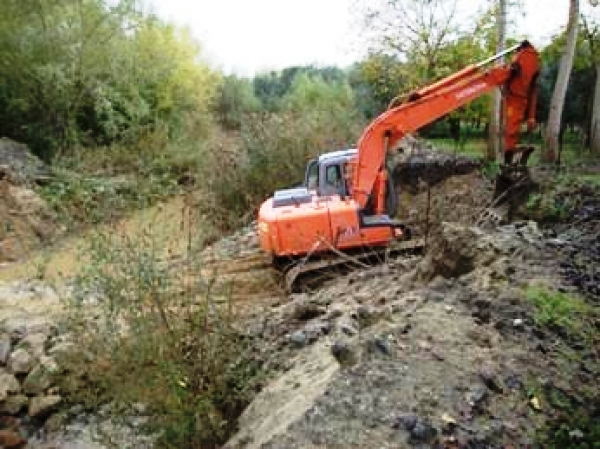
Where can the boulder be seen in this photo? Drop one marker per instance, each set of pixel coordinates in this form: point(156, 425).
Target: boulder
point(5, 348)
point(19, 166)
point(20, 361)
point(13, 404)
point(8, 384)
point(41, 377)
point(41, 406)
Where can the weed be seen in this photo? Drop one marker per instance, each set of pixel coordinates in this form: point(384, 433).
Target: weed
point(491, 169)
point(559, 310)
point(548, 207)
point(160, 334)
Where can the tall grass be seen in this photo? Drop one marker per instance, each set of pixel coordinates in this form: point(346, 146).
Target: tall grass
point(163, 334)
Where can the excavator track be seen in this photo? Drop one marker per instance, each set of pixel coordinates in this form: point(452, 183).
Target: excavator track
point(366, 258)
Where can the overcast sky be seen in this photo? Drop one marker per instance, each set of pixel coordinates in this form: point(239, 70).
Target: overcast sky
point(250, 36)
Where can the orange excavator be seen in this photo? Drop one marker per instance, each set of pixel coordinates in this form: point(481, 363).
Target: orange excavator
point(347, 202)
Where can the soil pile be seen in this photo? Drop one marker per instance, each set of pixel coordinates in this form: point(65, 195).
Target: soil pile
point(439, 352)
point(26, 221)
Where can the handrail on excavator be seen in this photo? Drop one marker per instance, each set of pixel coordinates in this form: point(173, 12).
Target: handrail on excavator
point(498, 55)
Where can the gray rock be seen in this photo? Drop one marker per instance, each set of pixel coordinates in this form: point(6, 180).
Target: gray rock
point(41, 377)
point(20, 361)
point(407, 421)
point(422, 431)
point(343, 353)
point(347, 327)
point(477, 396)
point(5, 348)
point(380, 344)
point(299, 339)
point(34, 343)
point(8, 384)
point(314, 330)
point(41, 406)
point(490, 379)
point(13, 404)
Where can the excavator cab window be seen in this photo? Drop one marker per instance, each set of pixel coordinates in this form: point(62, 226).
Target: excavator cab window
point(334, 184)
point(312, 175)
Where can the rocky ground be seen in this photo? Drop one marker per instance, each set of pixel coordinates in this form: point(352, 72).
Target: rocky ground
point(26, 222)
point(440, 350)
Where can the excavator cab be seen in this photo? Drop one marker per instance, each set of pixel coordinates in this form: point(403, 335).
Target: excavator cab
point(327, 175)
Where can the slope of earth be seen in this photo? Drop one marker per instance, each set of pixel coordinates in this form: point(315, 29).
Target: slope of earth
point(448, 351)
point(26, 222)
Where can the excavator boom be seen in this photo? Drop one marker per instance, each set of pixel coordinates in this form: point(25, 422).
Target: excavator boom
point(433, 102)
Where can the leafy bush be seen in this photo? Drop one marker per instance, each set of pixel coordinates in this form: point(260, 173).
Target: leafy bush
point(271, 150)
point(161, 335)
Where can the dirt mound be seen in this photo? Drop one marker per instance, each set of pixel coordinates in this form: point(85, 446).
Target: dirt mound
point(423, 166)
point(442, 352)
point(19, 165)
point(26, 221)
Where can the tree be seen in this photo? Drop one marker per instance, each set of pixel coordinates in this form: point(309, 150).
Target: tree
point(560, 88)
point(414, 31)
point(495, 131)
point(591, 33)
point(91, 72)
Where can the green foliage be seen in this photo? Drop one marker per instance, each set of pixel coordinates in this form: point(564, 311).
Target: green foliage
point(101, 184)
point(235, 101)
point(272, 150)
point(86, 72)
point(161, 335)
point(559, 310)
point(545, 207)
point(271, 88)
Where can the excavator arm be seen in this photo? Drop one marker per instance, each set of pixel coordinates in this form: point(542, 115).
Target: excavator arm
point(436, 100)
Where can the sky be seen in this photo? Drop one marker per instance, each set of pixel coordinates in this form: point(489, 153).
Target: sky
point(252, 36)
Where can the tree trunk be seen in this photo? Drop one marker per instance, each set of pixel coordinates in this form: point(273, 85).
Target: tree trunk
point(595, 123)
point(494, 147)
point(560, 88)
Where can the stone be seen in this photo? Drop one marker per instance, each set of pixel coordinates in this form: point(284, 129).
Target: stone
point(8, 385)
point(490, 379)
point(13, 404)
point(41, 376)
point(20, 361)
point(10, 439)
point(343, 353)
point(348, 327)
point(298, 339)
point(408, 421)
point(380, 344)
point(422, 431)
point(5, 348)
point(34, 343)
point(41, 406)
point(477, 396)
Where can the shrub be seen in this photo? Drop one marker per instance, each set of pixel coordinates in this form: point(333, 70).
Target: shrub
point(159, 334)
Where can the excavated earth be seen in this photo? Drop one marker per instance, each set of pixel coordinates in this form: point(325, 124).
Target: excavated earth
point(438, 352)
